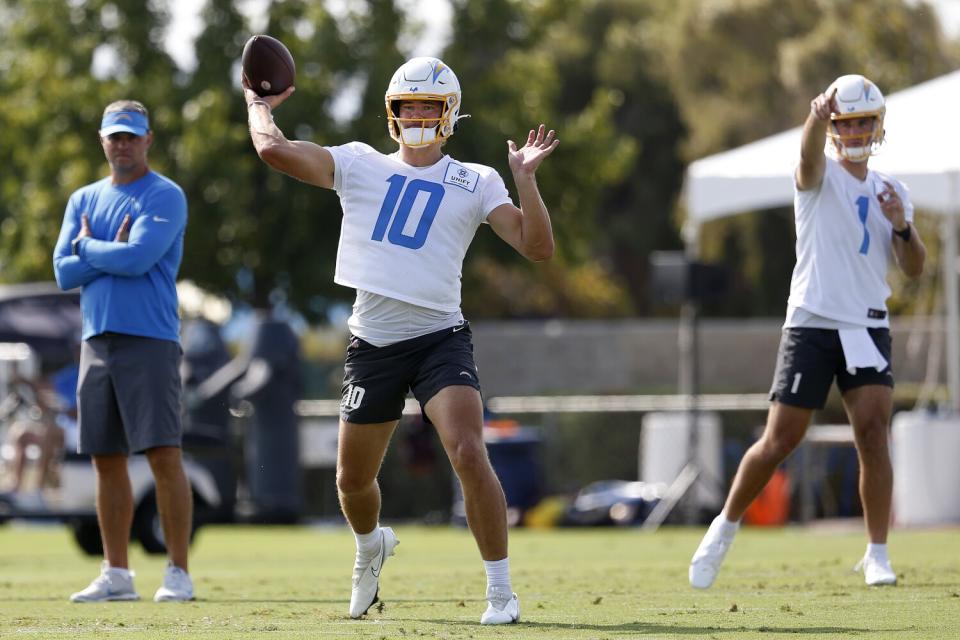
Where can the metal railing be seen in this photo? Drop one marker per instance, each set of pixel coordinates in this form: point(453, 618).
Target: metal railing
point(579, 404)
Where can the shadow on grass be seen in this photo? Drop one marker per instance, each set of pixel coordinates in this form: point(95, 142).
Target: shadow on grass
point(341, 600)
point(216, 599)
point(37, 599)
point(201, 600)
point(665, 629)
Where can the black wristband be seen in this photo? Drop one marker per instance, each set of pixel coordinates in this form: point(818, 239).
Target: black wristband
point(903, 233)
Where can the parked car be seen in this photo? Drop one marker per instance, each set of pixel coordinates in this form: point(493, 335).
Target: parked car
point(74, 502)
point(39, 331)
point(613, 502)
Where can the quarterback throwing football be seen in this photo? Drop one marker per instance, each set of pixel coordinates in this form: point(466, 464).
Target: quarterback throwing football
point(408, 218)
point(851, 222)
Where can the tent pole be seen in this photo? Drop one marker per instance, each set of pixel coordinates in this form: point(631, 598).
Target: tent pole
point(949, 261)
point(690, 233)
point(688, 384)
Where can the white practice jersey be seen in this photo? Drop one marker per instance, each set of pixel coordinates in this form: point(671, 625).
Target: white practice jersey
point(406, 229)
point(844, 247)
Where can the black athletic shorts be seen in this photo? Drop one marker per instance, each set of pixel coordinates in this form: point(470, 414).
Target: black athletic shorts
point(809, 359)
point(376, 379)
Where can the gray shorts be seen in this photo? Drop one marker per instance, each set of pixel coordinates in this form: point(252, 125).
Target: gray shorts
point(128, 394)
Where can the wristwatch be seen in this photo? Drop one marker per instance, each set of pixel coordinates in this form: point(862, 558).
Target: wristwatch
point(904, 233)
point(75, 246)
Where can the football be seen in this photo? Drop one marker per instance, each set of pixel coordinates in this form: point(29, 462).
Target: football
point(267, 65)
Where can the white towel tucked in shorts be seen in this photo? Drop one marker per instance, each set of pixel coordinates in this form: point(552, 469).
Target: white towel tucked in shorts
point(859, 350)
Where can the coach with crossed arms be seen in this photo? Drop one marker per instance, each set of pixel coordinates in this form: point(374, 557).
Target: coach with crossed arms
point(122, 241)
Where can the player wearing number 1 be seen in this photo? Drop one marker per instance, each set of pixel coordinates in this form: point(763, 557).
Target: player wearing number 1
point(851, 222)
point(408, 219)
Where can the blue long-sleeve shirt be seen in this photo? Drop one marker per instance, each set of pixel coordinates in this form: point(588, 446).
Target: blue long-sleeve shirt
point(128, 287)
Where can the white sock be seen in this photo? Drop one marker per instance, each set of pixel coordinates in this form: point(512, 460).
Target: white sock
point(498, 574)
point(727, 527)
point(876, 550)
point(367, 543)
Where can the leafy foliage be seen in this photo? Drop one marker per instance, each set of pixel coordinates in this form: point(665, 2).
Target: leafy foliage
point(745, 70)
point(635, 89)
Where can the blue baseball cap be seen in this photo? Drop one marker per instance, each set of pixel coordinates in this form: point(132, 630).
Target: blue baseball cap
point(124, 121)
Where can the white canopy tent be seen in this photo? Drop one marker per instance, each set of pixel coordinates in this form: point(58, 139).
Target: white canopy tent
point(922, 149)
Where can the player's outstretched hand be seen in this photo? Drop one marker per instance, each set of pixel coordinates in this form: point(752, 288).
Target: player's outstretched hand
point(823, 105)
point(274, 101)
point(540, 144)
point(892, 206)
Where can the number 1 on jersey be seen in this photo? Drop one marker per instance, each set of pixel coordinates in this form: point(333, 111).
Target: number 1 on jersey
point(863, 206)
point(395, 234)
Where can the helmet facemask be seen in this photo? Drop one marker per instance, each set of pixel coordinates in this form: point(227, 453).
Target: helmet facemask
point(424, 131)
point(857, 147)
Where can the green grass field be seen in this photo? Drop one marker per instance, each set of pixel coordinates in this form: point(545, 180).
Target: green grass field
point(293, 582)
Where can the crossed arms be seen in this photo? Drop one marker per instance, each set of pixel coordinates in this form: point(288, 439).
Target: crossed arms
point(136, 245)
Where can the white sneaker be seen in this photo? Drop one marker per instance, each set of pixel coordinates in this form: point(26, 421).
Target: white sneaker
point(706, 561)
point(366, 574)
point(502, 608)
point(112, 584)
point(177, 586)
point(876, 571)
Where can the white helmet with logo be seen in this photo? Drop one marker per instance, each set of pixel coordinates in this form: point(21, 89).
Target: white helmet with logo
point(857, 97)
point(426, 79)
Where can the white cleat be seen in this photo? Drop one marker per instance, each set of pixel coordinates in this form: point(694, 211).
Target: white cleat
point(876, 571)
point(177, 586)
point(366, 574)
point(111, 585)
point(502, 607)
point(706, 561)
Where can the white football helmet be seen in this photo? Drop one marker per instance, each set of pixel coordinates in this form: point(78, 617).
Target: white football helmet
point(857, 97)
point(423, 79)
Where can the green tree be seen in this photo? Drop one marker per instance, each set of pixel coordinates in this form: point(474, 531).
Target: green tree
point(585, 69)
point(256, 235)
point(728, 99)
point(52, 107)
point(635, 89)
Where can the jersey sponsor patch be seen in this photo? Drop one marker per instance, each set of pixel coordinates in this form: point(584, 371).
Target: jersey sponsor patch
point(460, 176)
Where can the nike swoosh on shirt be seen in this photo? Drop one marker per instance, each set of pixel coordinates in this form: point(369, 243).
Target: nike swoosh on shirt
point(458, 327)
point(159, 219)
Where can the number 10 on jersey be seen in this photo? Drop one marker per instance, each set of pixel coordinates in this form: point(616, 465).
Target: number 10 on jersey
point(393, 218)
